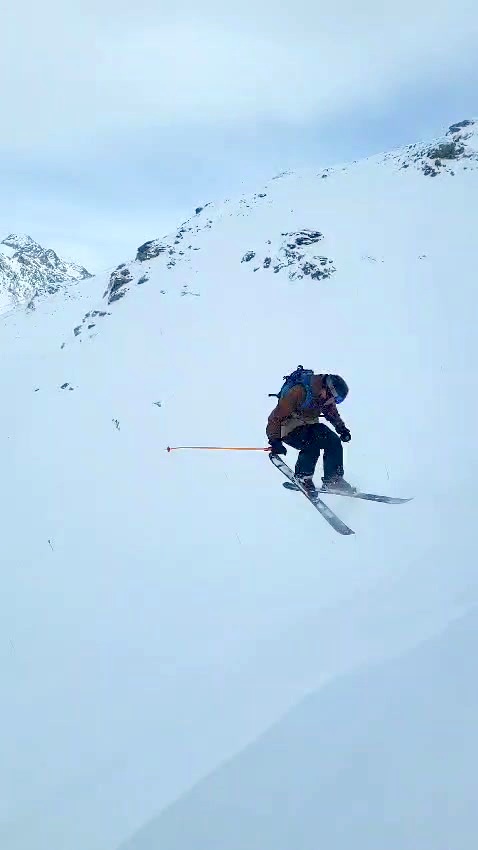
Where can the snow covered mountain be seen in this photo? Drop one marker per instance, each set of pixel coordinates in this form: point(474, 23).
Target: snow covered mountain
point(29, 270)
point(160, 612)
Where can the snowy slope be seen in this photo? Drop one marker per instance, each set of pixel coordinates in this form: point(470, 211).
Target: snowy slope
point(28, 270)
point(159, 611)
point(385, 757)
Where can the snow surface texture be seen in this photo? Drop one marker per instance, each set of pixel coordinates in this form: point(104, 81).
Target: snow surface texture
point(383, 758)
point(29, 271)
point(160, 611)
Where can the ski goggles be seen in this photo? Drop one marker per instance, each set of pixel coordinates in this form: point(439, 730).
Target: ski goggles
point(335, 396)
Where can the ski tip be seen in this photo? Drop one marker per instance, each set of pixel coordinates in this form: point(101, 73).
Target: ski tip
point(395, 500)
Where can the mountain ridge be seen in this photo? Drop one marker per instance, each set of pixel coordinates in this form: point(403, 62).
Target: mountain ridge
point(456, 148)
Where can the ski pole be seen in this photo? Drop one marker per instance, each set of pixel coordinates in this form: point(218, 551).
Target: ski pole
point(219, 448)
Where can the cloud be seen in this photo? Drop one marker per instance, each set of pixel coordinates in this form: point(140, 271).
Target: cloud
point(73, 77)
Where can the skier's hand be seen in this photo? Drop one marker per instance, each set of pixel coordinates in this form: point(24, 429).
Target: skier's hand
point(346, 436)
point(278, 448)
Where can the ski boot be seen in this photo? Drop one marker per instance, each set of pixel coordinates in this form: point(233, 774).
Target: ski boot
point(308, 484)
point(337, 484)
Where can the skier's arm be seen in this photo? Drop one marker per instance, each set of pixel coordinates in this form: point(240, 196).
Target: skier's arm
point(282, 411)
point(332, 415)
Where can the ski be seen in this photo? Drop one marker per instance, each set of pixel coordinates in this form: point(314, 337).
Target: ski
point(334, 521)
point(369, 497)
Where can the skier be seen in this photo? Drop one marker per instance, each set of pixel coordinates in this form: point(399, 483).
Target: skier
point(295, 421)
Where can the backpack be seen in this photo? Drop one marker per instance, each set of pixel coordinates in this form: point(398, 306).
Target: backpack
point(304, 378)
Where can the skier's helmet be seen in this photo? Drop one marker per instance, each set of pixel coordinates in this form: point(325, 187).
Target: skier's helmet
point(337, 387)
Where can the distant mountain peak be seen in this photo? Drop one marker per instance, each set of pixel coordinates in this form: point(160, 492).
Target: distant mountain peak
point(33, 270)
point(20, 242)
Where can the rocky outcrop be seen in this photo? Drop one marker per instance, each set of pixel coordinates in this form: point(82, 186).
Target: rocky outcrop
point(155, 247)
point(119, 283)
point(151, 249)
point(441, 156)
point(459, 126)
point(248, 256)
point(446, 150)
point(294, 255)
point(303, 237)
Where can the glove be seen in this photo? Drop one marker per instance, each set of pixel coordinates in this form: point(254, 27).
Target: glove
point(277, 447)
point(346, 436)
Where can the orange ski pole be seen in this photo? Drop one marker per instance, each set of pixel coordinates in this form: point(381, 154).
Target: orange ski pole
point(219, 448)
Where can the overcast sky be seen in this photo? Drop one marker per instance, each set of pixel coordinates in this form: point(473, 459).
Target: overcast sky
point(118, 118)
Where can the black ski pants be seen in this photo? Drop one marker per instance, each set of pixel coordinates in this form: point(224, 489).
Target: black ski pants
point(310, 440)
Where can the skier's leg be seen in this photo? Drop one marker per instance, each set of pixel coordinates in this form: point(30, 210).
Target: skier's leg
point(333, 451)
point(305, 439)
